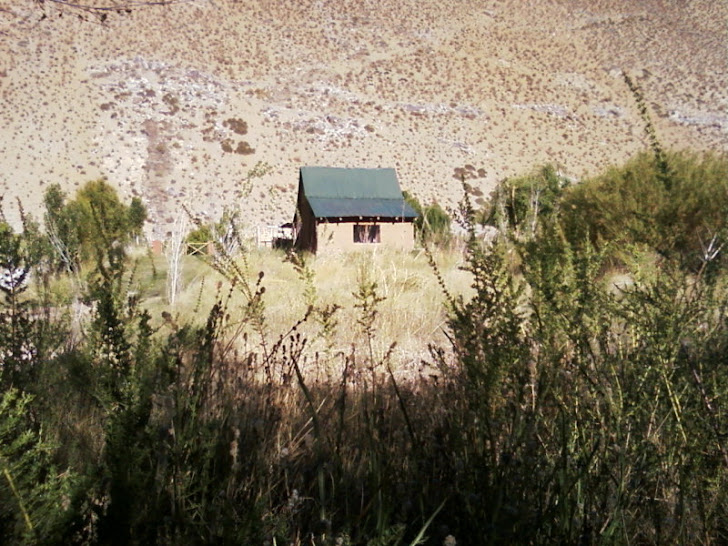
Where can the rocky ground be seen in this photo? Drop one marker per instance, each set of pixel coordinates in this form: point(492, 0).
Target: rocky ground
point(177, 103)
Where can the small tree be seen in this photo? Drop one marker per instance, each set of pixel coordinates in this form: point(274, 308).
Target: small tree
point(60, 222)
point(519, 204)
point(35, 497)
point(17, 351)
point(103, 219)
point(92, 224)
point(432, 224)
point(137, 215)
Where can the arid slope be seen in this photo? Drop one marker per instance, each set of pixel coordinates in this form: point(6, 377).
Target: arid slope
point(177, 103)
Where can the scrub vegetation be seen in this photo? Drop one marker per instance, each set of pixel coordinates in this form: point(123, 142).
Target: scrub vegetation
point(563, 382)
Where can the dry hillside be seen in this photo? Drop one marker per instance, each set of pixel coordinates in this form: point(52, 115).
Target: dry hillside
point(176, 103)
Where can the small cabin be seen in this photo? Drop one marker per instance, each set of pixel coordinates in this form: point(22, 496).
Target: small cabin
point(351, 209)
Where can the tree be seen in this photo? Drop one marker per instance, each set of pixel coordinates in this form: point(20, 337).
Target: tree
point(630, 204)
point(60, 225)
point(35, 497)
point(103, 219)
point(432, 224)
point(518, 204)
point(137, 215)
point(175, 251)
point(95, 224)
point(17, 350)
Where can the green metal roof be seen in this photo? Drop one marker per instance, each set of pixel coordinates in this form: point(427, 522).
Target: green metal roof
point(340, 192)
point(365, 208)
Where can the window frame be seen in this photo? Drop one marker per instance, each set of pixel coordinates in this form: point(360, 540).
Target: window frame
point(367, 234)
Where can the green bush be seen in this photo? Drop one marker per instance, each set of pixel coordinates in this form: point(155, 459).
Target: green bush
point(432, 224)
point(590, 416)
point(519, 204)
point(86, 227)
point(200, 235)
point(36, 498)
point(630, 204)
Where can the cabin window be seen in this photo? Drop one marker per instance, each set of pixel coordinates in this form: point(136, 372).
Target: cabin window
point(367, 234)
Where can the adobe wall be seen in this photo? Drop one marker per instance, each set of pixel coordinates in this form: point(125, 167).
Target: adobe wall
point(332, 237)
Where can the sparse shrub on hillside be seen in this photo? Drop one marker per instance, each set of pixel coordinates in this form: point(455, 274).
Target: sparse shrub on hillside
point(236, 125)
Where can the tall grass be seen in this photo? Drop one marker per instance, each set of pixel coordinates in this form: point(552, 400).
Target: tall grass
point(412, 314)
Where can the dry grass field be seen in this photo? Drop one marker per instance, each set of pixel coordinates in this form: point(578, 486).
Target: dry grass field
point(177, 103)
point(411, 315)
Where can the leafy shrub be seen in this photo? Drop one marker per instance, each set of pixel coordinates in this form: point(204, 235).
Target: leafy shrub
point(630, 204)
point(35, 497)
point(200, 235)
point(519, 204)
point(94, 221)
point(563, 386)
point(432, 224)
point(23, 338)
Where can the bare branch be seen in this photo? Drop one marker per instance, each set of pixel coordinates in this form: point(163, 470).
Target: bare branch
point(120, 6)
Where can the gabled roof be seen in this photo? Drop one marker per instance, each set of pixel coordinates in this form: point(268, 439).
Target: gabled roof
point(345, 193)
